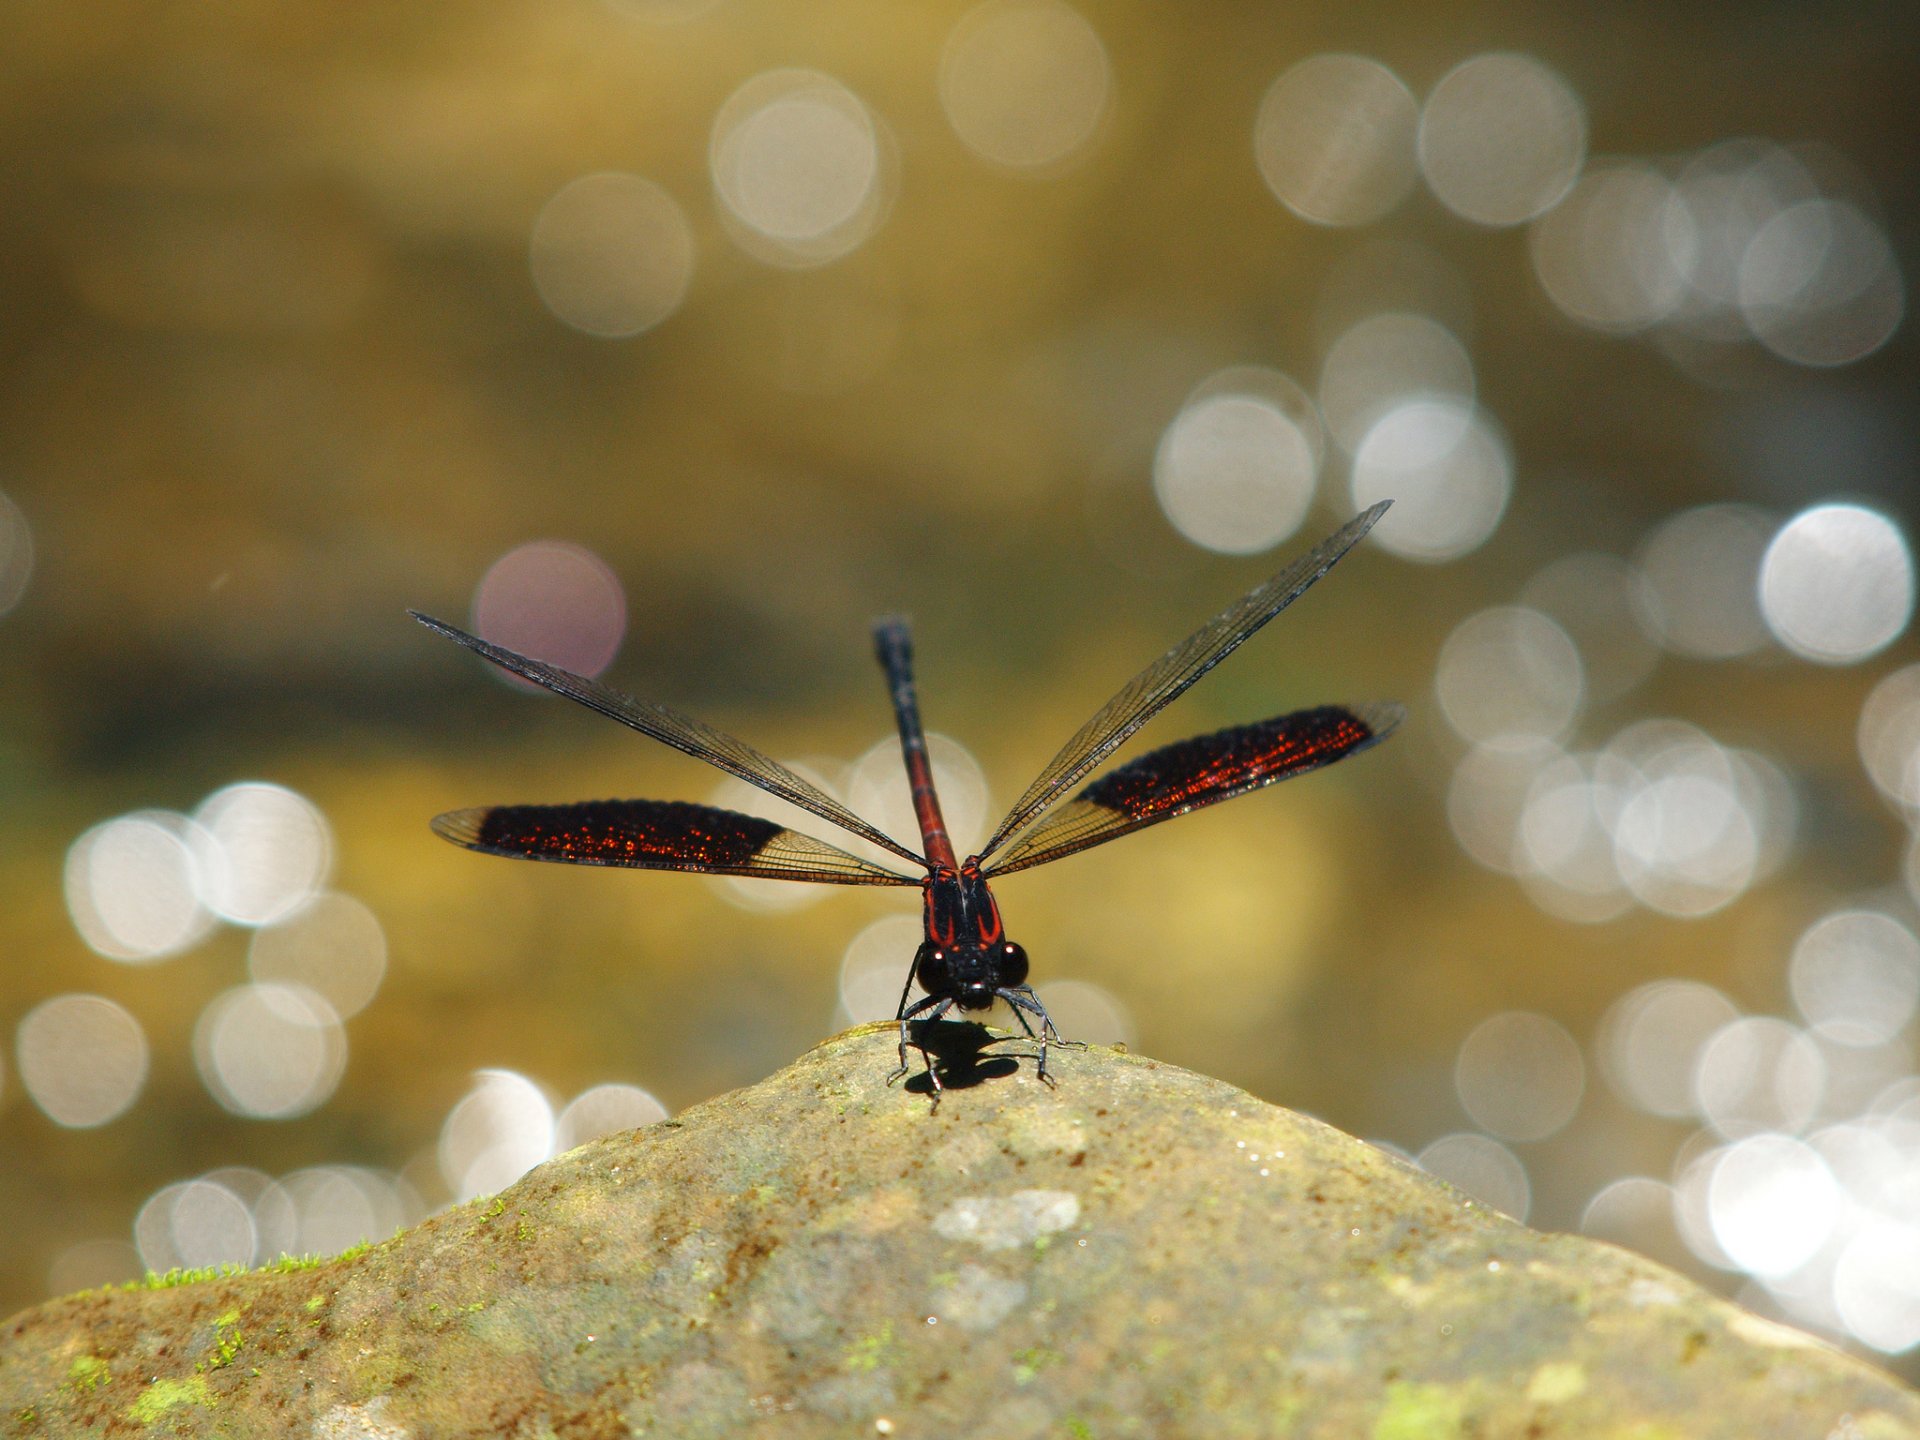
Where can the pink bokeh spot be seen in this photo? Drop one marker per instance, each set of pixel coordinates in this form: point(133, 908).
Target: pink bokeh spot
point(554, 601)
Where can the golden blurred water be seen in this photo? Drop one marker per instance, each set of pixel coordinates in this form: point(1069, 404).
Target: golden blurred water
point(893, 310)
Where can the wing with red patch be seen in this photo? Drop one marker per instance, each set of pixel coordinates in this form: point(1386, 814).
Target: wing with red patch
point(1205, 770)
point(659, 835)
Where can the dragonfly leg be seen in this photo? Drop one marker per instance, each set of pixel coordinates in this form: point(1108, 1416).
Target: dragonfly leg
point(1019, 1015)
point(1021, 997)
point(939, 1007)
point(900, 1010)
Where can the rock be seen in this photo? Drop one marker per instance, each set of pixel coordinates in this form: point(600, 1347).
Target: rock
point(1140, 1252)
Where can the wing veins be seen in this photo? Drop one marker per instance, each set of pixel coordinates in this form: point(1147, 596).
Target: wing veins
point(1167, 678)
point(659, 835)
point(1192, 774)
point(683, 732)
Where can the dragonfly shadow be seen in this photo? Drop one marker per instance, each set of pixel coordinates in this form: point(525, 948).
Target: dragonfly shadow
point(957, 1049)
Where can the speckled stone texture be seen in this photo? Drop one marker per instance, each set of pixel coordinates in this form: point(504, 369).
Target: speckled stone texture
point(1141, 1252)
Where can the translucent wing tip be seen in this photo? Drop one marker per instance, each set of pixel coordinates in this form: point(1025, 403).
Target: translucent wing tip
point(462, 827)
point(1382, 717)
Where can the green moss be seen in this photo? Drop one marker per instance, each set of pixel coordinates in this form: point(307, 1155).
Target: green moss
point(1029, 1363)
point(869, 1351)
point(176, 1277)
point(285, 1265)
point(87, 1374)
point(1420, 1412)
point(227, 1341)
point(164, 1395)
point(314, 1302)
point(1078, 1429)
point(523, 1232)
point(289, 1264)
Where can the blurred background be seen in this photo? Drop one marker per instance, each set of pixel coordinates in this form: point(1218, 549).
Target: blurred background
point(675, 339)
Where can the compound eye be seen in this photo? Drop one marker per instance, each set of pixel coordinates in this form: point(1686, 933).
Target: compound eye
point(934, 970)
point(1013, 964)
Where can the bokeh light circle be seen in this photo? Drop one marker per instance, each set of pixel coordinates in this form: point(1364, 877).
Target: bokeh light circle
point(1836, 584)
point(1724, 195)
point(1651, 1039)
point(194, 1224)
point(82, 1058)
point(1636, 1211)
point(605, 1110)
point(1510, 677)
point(1772, 1203)
point(1334, 139)
point(1855, 976)
point(555, 601)
point(501, 1128)
point(611, 254)
point(1384, 361)
point(797, 164)
point(1446, 469)
point(1818, 285)
point(1487, 799)
point(334, 946)
point(1502, 138)
point(874, 967)
point(1688, 831)
point(264, 852)
point(1602, 254)
point(133, 887)
point(325, 1209)
point(1758, 1074)
point(1876, 1285)
point(1889, 736)
point(1697, 587)
point(1566, 841)
point(1025, 83)
point(269, 1052)
point(1519, 1075)
point(1235, 474)
point(1484, 1168)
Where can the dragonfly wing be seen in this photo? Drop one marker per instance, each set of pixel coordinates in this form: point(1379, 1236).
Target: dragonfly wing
point(682, 732)
point(659, 835)
point(1198, 772)
point(1165, 679)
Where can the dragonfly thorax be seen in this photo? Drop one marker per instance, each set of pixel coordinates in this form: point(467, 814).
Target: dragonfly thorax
point(966, 956)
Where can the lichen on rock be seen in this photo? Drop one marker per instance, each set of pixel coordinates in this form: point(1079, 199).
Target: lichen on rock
point(1140, 1252)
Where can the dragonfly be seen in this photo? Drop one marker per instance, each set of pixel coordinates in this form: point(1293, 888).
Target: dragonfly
point(966, 961)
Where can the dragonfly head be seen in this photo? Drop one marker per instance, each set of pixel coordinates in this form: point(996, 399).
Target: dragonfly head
point(969, 974)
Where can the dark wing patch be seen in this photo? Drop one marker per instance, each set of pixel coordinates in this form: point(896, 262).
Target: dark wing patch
point(1202, 771)
point(659, 835)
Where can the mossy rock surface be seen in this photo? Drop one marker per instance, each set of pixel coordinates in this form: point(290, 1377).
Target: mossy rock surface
point(1141, 1252)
